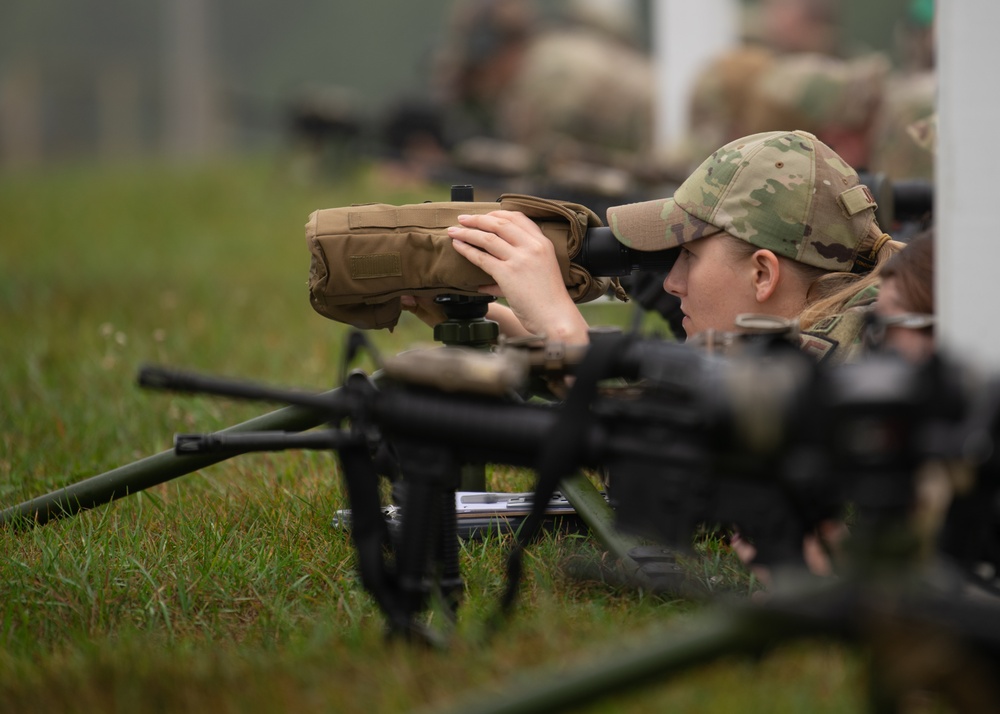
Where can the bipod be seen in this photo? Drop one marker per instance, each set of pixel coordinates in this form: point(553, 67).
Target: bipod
point(427, 552)
point(404, 574)
point(148, 472)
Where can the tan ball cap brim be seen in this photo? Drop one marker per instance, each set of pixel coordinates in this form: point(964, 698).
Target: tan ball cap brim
point(657, 225)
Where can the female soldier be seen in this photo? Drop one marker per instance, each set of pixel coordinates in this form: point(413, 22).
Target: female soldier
point(773, 223)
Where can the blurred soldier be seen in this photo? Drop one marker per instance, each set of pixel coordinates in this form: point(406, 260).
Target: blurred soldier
point(791, 26)
point(914, 36)
point(924, 132)
point(484, 51)
point(910, 97)
point(837, 100)
point(718, 104)
point(576, 91)
point(721, 92)
point(584, 88)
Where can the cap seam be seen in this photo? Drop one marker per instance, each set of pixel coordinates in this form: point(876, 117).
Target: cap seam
point(744, 162)
point(804, 243)
point(700, 220)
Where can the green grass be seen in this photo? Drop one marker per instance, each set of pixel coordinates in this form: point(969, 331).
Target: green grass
point(227, 590)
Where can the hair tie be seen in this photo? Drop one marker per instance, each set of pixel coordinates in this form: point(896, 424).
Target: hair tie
point(865, 262)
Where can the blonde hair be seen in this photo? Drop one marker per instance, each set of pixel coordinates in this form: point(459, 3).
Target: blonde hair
point(830, 292)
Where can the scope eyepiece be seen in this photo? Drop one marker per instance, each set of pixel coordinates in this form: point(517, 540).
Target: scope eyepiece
point(602, 255)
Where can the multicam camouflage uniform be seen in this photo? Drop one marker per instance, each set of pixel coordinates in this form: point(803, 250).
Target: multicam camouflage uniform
point(784, 191)
point(814, 92)
point(580, 93)
point(909, 98)
point(838, 338)
point(718, 104)
point(924, 132)
point(752, 90)
point(576, 91)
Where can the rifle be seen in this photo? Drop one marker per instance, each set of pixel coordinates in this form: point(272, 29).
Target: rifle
point(765, 441)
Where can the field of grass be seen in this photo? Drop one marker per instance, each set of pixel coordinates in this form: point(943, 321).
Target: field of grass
point(228, 590)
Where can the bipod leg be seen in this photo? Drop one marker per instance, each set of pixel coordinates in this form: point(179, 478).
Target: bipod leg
point(370, 534)
point(661, 653)
point(881, 698)
point(594, 511)
point(427, 554)
point(146, 473)
point(450, 579)
point(652, 658)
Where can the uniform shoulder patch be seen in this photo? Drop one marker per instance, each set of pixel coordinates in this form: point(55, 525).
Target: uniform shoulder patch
point(817, 346)
point(838, 337)
point(826, 325)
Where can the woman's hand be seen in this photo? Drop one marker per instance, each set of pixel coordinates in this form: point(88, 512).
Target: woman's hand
point(423, 307)
point(512, 249)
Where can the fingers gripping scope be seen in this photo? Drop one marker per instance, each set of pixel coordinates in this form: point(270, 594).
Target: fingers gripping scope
point(601, 254)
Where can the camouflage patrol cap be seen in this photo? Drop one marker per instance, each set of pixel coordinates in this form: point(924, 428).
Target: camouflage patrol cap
point(785, 191)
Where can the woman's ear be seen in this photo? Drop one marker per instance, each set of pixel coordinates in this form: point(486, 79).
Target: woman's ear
point(766, 274)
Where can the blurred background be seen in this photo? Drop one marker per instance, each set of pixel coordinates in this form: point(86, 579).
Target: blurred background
point(563, 99)
point(111, 79)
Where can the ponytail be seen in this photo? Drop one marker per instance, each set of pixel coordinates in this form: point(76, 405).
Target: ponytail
point(830, 293)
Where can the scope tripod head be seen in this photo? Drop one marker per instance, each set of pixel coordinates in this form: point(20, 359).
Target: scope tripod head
point(466, 324)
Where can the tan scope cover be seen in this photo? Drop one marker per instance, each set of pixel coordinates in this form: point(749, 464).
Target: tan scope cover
point(365, 257)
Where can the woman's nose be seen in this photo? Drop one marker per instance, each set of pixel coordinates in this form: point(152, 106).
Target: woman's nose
point(672, 283)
